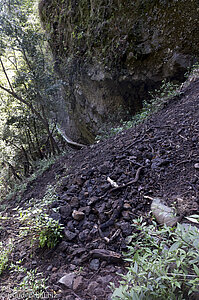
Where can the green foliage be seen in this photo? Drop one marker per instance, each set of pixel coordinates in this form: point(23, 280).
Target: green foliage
point(5, 251)
point(164, 263)
point(158, 98)
point(39, 227)
point(32, 284)
point(40, 166)
point(193, 71)
point(27, 89)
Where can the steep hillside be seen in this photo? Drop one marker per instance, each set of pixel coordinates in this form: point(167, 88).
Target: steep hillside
point(109, 54)
point(157, 158)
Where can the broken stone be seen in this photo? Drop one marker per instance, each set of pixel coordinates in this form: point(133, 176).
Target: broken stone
point(65, 211)
point(67, 280)
point(94, 264)
point(49, 268)
point(78, 215)
point(63, 246)
point(74, 202)
point(126, 228)
point(84, 235)
point(55, 216)
point(72, 267)
point(92, 200)
point(54, 269)
point(70, 226)
point(78, 283)
point(69, 235)
point(196, 166)
point(92, 287)
point(159, 162)
point(85, 209)
point(127, 206)
point(126, 215)
point(104, 169)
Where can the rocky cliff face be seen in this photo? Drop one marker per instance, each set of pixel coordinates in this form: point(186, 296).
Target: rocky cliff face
point(110, 53)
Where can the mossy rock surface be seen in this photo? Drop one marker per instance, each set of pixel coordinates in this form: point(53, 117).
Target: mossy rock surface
point(122, 48)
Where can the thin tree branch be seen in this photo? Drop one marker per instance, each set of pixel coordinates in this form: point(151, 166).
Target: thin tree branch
point(4, 71)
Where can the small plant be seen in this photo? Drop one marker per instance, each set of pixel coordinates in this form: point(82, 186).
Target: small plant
point(49, 197)
point(5, 251)
point(193, 71)
point(50, 233)
point(39, 227)
point(164, 264)
point(33, 284)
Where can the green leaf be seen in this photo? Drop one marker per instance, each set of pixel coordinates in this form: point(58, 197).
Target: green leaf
point(196, 269)
point(175, 246)
point(192, 219)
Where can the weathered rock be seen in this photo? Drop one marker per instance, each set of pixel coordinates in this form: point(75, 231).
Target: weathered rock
point(94, 264)
point(84, 235)
point(67, 280)
point(92, 287)
point(78, 283)
point(63, 246)
point(74, 202)
point(49, 268)
point(56, 216)
point(196, 166)
point(69, 235)
point(65, 211)
point(78, 215)
point(126, 228)
point(117, 66)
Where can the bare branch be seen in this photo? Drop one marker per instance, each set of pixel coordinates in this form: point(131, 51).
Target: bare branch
point(4, 71)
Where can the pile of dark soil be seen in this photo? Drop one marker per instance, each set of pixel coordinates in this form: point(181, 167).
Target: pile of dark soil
point(158, 158)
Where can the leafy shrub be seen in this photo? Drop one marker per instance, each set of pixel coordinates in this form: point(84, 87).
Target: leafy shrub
point(164, 264)
point(193, 71)
point(39, 227)
point(33, 284)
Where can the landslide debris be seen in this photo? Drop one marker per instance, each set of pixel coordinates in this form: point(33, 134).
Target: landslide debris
point(158, 158)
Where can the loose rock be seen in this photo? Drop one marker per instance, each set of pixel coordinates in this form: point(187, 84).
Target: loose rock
point(94, 264)
point(78, 215)
point(196, 166)
point(67, 280)
point(78, 283)
point(69, 235)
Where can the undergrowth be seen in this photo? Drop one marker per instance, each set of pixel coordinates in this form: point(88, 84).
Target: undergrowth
point(39, 228)
point(40, 167)
point(163, 263)
point(36, 225)
point(32, 286)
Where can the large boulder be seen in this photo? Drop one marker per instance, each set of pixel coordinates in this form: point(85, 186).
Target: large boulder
point(110, 53)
